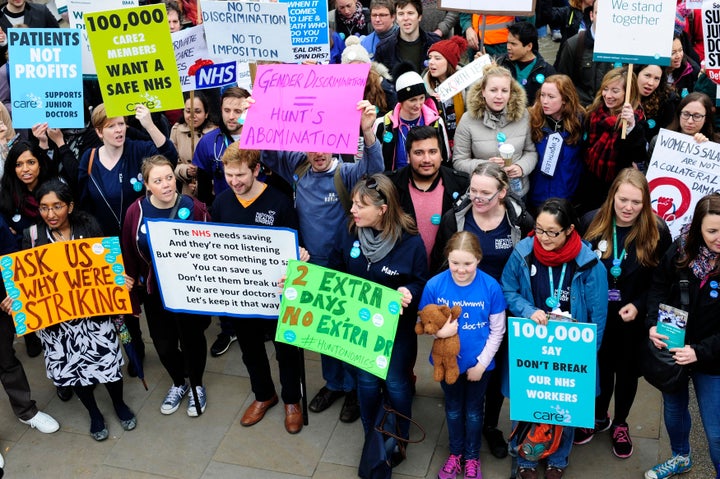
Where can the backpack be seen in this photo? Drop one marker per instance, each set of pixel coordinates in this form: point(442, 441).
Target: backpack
point(536, 441)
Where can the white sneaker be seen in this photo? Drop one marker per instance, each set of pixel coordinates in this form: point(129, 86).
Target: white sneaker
point(42, 422)
point(2, 462)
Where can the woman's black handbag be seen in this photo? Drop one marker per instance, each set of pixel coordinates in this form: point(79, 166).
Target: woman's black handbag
point(381, 442)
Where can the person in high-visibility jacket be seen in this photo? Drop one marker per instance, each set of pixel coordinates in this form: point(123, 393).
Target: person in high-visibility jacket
point(496, 32)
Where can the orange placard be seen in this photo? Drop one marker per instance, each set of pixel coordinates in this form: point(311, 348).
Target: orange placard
point(66, 280)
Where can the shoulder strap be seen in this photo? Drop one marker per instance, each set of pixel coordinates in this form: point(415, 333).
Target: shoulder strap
point(92, 159)
point(301, 170)
point(342, 191)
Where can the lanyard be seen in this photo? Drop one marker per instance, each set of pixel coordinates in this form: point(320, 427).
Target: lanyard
point(553, 301)
point(616, 270)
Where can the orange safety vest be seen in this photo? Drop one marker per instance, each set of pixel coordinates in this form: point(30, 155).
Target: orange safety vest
point(496, 28)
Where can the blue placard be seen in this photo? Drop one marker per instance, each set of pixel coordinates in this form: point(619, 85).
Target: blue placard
point(216, 75)
point(309, 29)
point(45, 71)
point(552, 372)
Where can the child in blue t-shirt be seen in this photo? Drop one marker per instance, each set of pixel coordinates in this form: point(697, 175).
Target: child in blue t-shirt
point(481, 327)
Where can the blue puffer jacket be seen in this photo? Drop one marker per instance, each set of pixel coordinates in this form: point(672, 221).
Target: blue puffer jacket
point(565, 180)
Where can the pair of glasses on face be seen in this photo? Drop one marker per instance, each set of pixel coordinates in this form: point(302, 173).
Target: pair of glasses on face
point(483, 200)
point(372, 184)
point(56, 209)
point(550, 234)
point(686, 115)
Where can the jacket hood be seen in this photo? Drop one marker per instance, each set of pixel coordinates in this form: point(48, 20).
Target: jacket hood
point(381, 70)
point(514, 110)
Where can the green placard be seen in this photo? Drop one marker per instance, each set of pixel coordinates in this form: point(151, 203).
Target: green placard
point(135, 59)
point(340, 315)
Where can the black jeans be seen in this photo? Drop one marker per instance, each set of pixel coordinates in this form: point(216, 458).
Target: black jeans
point(12, 374)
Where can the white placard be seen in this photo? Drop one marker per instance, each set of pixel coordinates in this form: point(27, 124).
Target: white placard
point(247, 31)
point(463, 78)
point(681, 172)
point(228, 270)
point(76, 13)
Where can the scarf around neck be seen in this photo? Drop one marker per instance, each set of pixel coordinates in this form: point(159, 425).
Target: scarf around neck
point(564, 254)
point(374, 246)
point(357, 20)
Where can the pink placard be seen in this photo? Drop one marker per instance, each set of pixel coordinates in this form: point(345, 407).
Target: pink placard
point(305, 108)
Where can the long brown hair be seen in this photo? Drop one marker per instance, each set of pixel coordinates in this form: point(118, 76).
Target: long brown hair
point(572, 111)
point(378, 190)
point(644, 230)
point(615, 74)
point(708, 205)
point(374, 92)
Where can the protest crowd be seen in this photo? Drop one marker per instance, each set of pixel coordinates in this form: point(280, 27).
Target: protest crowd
point(525, 193)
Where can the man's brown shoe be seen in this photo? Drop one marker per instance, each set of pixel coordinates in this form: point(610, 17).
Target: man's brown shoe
point(293, 418)
point(256, 411)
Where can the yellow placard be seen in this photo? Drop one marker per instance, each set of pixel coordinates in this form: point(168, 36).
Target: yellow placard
point(66, 280)
point(135, 59)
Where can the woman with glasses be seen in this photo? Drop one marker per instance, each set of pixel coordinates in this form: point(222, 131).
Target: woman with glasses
point(79, 353)
point(381, 244)
point(630, 240)
point(499, 220)
point(694, 116)
point(554, 271)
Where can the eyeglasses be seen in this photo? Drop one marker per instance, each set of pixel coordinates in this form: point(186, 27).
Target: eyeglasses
point(373, 185)
point(380, 15)
point(56, 208)
point(549, 234)
point(686, 115)
point(483, 199)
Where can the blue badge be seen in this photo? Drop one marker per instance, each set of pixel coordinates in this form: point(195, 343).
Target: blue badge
point(501, 137)
point(133, 181)
point(364, 314)
point(355, 250)
point(290, 336)
point(540, 78)
point(617, 65)
point(435, 219)
point(714, 284)
point(651, 124)
point(183, 213)
point(524, 81)
point(455, 195)
point(713, 294)
point(387, 137)
point(585, 136)
point(342, 36)
point(137, 186)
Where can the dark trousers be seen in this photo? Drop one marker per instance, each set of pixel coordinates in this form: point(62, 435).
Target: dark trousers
point(179, 340)
point(12, 374)
point(251, 334)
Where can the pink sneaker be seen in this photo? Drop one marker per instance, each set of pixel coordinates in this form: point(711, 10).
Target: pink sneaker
point(472, 469)
point(451, 468)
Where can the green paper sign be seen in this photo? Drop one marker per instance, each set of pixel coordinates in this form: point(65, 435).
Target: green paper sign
point(135, 59)
point(340, 315)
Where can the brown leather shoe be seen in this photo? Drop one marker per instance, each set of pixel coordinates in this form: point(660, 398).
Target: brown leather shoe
point(256, 411)
point(293, 418)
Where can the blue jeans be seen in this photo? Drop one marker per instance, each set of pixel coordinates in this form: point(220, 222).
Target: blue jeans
point(677, 416)
point(338, 375)
point(558, 459)
point(397, 385)
point(464, 402)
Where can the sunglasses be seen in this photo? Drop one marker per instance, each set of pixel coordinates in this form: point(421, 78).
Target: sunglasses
point(372, 184)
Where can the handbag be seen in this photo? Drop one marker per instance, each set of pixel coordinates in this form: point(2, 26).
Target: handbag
point(381, 441)
point(658, 365)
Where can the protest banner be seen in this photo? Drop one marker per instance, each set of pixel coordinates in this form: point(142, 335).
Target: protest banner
point(309, 29)
point(45, 77)
point(190, 54)
point(634, 31)
point(228, 270)
point(711, 38)
point(681, 172)
point(552, 372)
point(305, 108)
point(490, 7)
point(135, 60)
point(340, 315)
point(463, 78)
point(247, 31)
point(76, 16)
point(65, 280)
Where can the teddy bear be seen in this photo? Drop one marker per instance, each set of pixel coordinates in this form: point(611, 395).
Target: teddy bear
point(444, 350)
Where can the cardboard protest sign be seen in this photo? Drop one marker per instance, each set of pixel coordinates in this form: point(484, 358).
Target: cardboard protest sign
point(552, 372)
point(634, 31)
point(135, 59)
point(463, 78)
point(66, 280)
point(45, 77)
point(681, 172)
point(247, 30)
point(340, 315)
point(305, 108)
point(228, 270)
point(190, 54)
point(309, 29)
point(711, 38)
point(490, 7)
point(76, 15)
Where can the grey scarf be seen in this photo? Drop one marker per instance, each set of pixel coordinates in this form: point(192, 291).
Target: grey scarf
point(374, 247)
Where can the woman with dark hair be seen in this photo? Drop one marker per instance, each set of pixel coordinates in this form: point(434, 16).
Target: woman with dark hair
point(658, 99)
point(693, 258)
point(683, 71)
point(185, 135)
point(382, 244)
point(539, 278)
point(630, 240)
point(79, 353)
point(694, 116)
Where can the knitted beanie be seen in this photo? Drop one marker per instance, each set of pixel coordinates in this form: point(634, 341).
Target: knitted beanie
point(451, 49)
point(354, 52)
point(409, 83)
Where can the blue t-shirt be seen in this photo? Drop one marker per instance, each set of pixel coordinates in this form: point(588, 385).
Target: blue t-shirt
point(478, 300)
point(496, 245)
